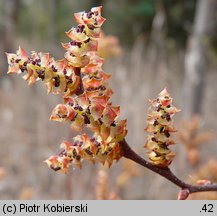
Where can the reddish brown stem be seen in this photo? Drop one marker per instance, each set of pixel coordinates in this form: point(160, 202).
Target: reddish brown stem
point(80, 89)
point(165, 172)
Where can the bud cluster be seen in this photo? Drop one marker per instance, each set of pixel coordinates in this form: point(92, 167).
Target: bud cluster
point(84, 148)
point(79, 77)
point(58, 76)
point(160, 125)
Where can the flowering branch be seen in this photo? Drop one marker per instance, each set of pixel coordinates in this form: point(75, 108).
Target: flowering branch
point(165, 172)
point(80, 79)
point(86, 93)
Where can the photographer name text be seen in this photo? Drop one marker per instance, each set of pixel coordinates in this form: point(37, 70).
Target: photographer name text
point(45, 208)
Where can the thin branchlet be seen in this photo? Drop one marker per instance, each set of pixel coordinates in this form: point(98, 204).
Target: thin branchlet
point(164, 172)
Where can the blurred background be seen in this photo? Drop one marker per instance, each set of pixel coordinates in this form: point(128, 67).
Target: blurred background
point(147, 45)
